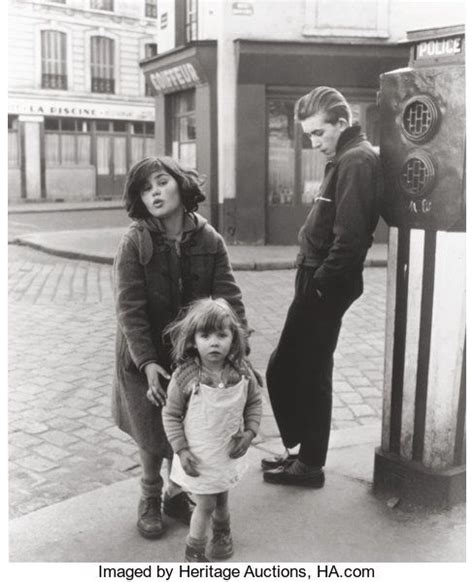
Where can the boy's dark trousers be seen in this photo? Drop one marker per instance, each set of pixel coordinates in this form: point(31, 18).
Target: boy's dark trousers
point(299, 373)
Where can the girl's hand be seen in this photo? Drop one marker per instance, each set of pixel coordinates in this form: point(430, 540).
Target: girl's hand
point(189, 462)
point(155, 394)
point(241, 443)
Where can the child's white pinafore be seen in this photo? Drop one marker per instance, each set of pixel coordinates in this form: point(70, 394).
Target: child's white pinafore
point(212, 417)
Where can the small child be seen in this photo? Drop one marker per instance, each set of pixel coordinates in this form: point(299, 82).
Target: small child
point(212, 413)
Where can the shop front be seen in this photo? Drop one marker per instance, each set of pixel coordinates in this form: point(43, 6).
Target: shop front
point(278, 173)
point(71, 151)
point(184, 83)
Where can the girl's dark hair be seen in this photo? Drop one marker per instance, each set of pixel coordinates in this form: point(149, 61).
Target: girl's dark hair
point(189, 183)
point(205, 315)
point(326, 101)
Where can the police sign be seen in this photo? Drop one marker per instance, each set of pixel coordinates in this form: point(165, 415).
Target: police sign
point(445, 47)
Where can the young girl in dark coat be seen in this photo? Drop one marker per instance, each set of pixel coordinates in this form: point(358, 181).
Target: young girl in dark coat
point(168, 257)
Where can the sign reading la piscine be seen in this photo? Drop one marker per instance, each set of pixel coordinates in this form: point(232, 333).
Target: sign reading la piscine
point(76, 109)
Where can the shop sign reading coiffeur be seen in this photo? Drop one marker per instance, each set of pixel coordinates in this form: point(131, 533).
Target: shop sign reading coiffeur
point(175, 78)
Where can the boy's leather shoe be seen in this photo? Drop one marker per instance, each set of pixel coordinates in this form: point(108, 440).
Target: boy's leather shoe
point(179, 506)
point(277, 461)
point(281, 476)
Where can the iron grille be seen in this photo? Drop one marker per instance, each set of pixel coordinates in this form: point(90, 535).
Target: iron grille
point(52, 81)
point(420, 119)
point(99, 85)
point(417, 176)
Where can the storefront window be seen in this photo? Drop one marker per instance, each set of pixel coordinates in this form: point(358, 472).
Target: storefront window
point(281, 152)
point(67, 141)
point(142, 140)
point(373, 125)
point(13, 142)
point(183, 128)
point(313, 163)
point(295, 169)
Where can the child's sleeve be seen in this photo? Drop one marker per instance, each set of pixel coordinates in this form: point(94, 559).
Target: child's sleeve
point(173, 416)
point(253, 406)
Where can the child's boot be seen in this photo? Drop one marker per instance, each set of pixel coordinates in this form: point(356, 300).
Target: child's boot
point(221, 546)
point(150, 523)
point(195, 550)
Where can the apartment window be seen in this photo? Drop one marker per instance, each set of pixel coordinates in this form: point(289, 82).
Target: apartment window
point(151, 49)
point(183, 128)
point(67, 141)
point(341, 18)
point(13, 142)
point(107, 5)
point(191, 23)
point(150, 9)
point(102, 65)
point(53, 60)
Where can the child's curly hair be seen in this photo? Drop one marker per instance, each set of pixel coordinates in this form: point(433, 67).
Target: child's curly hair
point(205, 315)
point(189, 184)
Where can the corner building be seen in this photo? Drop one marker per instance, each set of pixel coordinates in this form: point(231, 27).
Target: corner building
point(226, 78)
point(79, 110)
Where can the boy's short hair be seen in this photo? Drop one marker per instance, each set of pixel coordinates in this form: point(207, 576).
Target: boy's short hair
point(189, 184)
point(325, 100)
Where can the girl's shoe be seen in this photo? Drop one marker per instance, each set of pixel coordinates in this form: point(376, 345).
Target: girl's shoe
point(150, 523)
point(221, 546)
point(194, 554)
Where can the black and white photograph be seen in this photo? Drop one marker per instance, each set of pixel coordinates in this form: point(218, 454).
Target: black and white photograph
point(236, 289)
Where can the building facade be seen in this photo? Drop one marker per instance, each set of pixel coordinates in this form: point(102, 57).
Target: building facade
point(79, 109)
point(226, 78)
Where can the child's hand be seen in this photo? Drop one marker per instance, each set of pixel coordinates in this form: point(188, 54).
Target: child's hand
point(241, 442)
point(155, 394)
point(189, 462)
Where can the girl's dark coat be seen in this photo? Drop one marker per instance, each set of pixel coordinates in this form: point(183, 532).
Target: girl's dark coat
point(152, 281)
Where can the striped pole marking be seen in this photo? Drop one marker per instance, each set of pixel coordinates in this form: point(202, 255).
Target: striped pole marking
point(424, 378)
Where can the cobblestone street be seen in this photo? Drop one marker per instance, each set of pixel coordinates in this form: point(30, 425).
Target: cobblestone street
point(61, 336)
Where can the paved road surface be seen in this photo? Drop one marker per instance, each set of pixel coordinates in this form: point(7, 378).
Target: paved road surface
point(61, 336)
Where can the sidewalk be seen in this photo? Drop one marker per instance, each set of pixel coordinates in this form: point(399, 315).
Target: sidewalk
point(32, 207)
point(343, 522)
point(99, 246)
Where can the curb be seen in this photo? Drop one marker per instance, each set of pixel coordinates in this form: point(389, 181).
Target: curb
point(49, 207)
point(275, 265)
point(262, 265)
point(76, 255)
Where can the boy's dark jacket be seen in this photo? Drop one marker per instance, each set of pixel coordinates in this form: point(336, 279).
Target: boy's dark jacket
point(338, 230)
